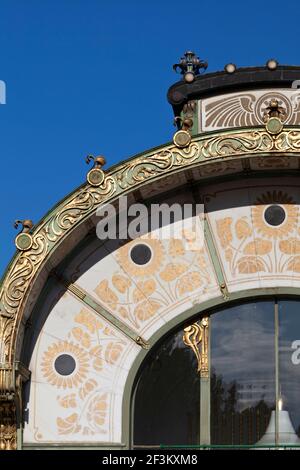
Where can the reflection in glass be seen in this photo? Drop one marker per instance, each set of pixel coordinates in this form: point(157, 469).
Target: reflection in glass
point(289, 359)
point(243, 347)
point(242, 373)
point(167, 399)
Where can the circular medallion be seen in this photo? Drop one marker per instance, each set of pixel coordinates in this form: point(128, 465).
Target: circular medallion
point(182, 139)
point(275, 215)
point(64, 364)
point(23, 241)
point(95, 177)
point(274, 125)
point(263, 102)
point(141, 254)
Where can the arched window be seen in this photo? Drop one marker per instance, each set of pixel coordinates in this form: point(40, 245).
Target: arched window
point(246, 392)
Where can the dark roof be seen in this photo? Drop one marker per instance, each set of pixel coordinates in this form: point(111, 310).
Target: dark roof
point(223, 82)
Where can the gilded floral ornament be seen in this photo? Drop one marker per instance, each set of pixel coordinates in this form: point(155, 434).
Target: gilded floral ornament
point(291, 246)
point(94, 347)
point(8, 427)
point(42, 241)
point(68, 425)
point(242, 229)
point(265, 240)
point(224, 231)
point(196, 337)
point(133, 269)
point(291, 214)
point(140, 292)
point(79, 206)
point(88, 320)
point(97, 411)
point(65, 381)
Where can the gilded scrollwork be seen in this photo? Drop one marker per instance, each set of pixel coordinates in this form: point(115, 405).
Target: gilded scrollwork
point(139, 170)
point(196, 337)
point(10, 404)
point(287, 141)
point(136, 172)
point(238, 144)
point(8, 426)
point(77, 208)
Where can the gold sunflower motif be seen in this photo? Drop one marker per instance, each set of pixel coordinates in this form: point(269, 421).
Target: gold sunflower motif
point(81, 363)
point(124, 257)
point(290, 218)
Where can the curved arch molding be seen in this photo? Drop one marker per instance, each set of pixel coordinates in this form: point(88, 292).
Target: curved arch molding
point(135, 173)
point(29, 269)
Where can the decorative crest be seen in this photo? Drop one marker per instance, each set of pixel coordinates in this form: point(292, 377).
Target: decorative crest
point(274, 110)
point(274, 116)
point(190, 66)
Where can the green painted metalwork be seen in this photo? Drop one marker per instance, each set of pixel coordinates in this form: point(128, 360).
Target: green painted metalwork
point(131, 175)
point(237, 446)
point(98, 446)
point(88, 300)
point(276, 349)
point(215, 260)
point(191, 315)
point(205, 410)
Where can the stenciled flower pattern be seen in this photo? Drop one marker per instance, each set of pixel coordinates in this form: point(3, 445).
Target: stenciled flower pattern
point(291, 210)
point(251, 245)
point(94, 347)
point(133, 269)
point(65, 381)
point(177, 269)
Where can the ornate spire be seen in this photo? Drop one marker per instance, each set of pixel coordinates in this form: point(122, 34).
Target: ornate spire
point(190, 66)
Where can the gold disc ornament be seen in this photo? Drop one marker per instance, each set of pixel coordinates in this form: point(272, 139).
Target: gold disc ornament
point(274, 125)
point(95, 177)
point(182, 138)
point(23, 241)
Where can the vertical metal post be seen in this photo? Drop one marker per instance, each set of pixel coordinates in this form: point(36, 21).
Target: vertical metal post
point(197, 337)
point(205, 410)
point(205, 397)
point(276, 373)
point(19, 438)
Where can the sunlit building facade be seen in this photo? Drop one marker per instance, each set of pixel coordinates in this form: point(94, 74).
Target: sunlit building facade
point(172, 337)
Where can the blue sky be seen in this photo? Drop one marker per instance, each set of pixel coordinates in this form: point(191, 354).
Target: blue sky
point(91, 76)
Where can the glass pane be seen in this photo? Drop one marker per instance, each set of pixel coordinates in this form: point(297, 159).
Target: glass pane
point(167, 400)
point(289, 368)
point(242, 373)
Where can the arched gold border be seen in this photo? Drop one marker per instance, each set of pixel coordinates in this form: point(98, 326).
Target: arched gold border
point(76, 208)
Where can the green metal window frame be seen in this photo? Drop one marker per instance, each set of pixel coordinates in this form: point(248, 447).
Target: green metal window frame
point(207, 308)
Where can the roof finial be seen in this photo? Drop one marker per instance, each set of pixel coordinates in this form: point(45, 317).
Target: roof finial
point(190, 66)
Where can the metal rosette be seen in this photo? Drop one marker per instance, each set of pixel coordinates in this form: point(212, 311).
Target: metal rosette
point(23, 241)
point(95, 177)
point(182, 139)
